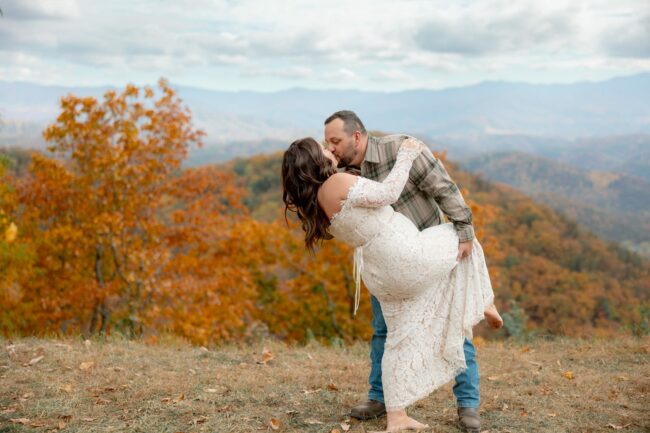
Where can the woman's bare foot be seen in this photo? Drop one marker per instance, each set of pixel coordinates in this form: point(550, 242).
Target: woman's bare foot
point(399, 421)
point(493, 317)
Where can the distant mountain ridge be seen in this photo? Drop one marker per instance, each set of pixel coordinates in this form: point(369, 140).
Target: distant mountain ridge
point(489, 109)
point(615, 206)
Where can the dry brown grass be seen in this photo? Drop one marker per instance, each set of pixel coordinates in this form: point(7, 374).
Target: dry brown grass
point(128, 386)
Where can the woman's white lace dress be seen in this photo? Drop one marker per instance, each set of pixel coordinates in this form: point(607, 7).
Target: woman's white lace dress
point(429, 300)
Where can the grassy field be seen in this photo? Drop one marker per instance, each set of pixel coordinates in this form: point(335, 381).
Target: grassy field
point(129, 386)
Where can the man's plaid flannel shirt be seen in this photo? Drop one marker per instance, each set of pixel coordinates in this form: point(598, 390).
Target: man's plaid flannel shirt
point(428, 190)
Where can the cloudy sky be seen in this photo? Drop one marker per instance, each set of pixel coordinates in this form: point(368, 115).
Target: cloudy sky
point(269, 45)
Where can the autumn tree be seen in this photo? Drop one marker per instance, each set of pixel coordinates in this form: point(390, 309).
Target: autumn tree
point(95, 206)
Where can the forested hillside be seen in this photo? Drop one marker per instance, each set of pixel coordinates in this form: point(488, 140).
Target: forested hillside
point(567, 280)
point(107, 233)
point(613, 205)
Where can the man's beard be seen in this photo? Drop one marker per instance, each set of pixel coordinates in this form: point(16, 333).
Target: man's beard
point(346, 160)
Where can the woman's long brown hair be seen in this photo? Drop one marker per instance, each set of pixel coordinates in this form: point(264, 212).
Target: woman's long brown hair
point(304, 169)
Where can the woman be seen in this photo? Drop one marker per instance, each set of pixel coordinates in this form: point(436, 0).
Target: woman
point(429, 300)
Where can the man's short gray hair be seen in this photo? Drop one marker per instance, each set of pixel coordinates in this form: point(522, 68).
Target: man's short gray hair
point(351, 121)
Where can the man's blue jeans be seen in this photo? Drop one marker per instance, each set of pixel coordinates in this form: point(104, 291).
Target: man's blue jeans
point(466, 389)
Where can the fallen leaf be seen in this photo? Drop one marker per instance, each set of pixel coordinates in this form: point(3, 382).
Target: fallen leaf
point(86, 365)
point(345, 426)
point(37, 424)
point(552, 415)
point(23, 421)
point(307, 391)
point(88, 419)
point(180, 397)
point(225, 408)
point(525, 349)
point(66, 387)
point(504, 407)
point(65, 418)
point(312, 421)
point(615, 427)
point(267, 356)
point(199, 420)
point(210, 390)
point(479, 342)
point(568, 375)
point(165, 400)
point(204, 349)
point(493, 378)
point(36, 360)
point(332, 387)
point(274, 423)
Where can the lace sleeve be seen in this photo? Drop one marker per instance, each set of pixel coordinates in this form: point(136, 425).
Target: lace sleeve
point(368, 193)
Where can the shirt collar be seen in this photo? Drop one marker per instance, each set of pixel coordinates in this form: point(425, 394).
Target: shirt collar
point(372, 151)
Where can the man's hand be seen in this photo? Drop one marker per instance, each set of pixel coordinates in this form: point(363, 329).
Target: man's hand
point(464, 249)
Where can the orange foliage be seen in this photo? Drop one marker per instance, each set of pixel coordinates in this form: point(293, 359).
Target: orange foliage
point(110, 235)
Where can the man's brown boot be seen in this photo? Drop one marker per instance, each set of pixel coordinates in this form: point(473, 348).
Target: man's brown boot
point(469, 419)
point(368, 410)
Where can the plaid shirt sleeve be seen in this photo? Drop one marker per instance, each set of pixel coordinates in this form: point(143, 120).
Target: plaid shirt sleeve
point(431, 177)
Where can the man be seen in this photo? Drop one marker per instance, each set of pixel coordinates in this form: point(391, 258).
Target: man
point(428, 191)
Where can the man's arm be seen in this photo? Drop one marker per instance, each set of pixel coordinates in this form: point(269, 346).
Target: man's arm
point(430, 176)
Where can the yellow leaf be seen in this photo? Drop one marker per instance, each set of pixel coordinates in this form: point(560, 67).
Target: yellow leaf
point(479, 342)
point(267, 355)
point(36, 360)
point(274, 423)
point(11, 233)
point(66, 387)
point(86, 365)
point(23, 421)
point(568, 375)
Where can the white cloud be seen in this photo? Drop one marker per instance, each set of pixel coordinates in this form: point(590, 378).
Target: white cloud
point(252, 43)
point(341, 74)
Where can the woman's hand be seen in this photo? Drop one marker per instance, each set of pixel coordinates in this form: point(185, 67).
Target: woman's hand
point(412, 144)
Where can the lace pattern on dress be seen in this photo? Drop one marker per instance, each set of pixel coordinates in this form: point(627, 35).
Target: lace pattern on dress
point(368, 193)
